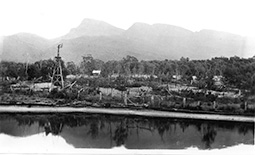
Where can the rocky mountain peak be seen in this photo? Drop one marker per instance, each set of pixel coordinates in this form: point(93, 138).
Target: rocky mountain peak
point(90, 27)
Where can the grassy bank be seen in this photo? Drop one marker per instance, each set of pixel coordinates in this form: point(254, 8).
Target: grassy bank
point(154, 97)
point(107, 102)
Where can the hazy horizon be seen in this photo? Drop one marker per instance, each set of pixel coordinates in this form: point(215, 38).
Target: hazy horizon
point(124, 29)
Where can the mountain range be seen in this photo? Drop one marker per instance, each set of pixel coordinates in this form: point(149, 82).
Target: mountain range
point(106, 42)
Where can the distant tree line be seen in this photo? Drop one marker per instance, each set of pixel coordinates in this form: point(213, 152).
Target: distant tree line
point(237, 72)
point(40, 69)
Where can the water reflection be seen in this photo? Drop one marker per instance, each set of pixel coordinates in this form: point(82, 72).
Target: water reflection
point(38, 143)
point(107, 131)
point(209, 135)
point(121, 133)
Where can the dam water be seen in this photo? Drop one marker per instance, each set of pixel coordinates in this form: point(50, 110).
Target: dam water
point(81, 131)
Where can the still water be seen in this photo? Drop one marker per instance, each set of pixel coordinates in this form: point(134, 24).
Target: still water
point(108, 131)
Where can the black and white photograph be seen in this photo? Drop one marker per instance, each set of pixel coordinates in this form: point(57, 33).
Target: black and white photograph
point(127, 77)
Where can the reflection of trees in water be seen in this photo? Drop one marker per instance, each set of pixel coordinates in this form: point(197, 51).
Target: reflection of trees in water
point(102, 125)
point(120, 127)
point(198, 125)
point(209, 134)
point(121, 133)
point(162, 126)
point(208, 131)
point(225, 125)
point(184, 125)
point(52, 125)
point(24, 120)
point(93, 130)
point(244, 130)
point(56, 127)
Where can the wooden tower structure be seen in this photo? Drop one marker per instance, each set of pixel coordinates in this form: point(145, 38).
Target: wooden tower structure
point(57, 76)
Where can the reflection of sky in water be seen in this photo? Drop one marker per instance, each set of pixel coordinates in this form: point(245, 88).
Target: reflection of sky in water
point(35, 143)
point(76, 132)
point(40, 143)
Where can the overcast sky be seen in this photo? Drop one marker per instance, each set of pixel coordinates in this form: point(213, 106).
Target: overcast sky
point(54, 18)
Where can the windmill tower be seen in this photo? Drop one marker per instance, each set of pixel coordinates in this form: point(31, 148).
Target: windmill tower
point(57, 76)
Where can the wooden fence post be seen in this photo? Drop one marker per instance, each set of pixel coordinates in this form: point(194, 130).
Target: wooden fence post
point(100, 96)
point(125, 99)
point(245, 105)
point(198, 103)
point(184, 102)
point(152, 100)
point(214, 105)
point(111, 92)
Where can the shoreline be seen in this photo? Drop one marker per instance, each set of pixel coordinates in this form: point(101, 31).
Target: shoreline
point(129, 112)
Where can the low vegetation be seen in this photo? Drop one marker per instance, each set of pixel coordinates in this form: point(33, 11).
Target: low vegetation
point(164, 85)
